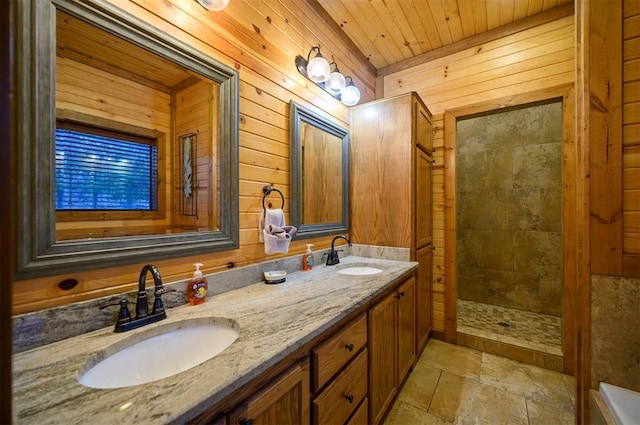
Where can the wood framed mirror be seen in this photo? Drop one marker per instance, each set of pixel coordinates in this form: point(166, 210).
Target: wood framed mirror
point(319, 174)
point(90, 72)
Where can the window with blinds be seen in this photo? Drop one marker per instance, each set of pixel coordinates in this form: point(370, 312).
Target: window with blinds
point(104, 170)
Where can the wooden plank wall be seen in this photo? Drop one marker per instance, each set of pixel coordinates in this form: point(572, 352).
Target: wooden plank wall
point(528, 61)
point(631, 139)
point(195, 114)
point(259, 38)
point(322, 159)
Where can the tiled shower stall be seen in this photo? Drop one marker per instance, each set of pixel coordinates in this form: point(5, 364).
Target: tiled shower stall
point(509, 226)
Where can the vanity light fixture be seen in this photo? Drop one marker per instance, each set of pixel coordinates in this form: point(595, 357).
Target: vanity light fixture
point(318, 70)
point(215, 5)
point(336, 82)
point(350, 94)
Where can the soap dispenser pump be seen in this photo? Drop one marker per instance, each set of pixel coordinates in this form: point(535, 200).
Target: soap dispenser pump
point(307, 258)
point(197, 287)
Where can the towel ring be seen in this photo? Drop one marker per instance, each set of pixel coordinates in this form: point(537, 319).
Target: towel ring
point(267, 190)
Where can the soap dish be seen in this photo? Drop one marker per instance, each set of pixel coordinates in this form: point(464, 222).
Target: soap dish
point(278, 276)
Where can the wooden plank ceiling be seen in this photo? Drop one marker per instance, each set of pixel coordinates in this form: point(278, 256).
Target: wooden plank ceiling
point(391, 31)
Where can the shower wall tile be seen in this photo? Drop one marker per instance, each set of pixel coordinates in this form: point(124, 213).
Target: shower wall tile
point(514, 289)
point(551, 210)
point(472, 284)
point(551, 296)
point(551, 123)
point(477, 162)
point(537, 166)
point(499, 209)
point(489, 249)
point(615, 340)
point(470, 132)
point(499, 288)
point(514, 128)
point(539, 253)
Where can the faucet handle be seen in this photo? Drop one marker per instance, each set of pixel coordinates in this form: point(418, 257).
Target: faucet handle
point(124, 315)
point(158, 306)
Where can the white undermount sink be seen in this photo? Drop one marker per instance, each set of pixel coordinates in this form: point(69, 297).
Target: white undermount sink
point(359, 271)
point(160, 356)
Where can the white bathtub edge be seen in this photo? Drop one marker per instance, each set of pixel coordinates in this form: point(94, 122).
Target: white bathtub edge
point(623, 404)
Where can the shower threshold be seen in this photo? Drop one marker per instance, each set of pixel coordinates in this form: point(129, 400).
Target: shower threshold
point(528, 330)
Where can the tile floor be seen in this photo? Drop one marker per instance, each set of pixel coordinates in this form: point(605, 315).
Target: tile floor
point(451, 384)
point(536, 331)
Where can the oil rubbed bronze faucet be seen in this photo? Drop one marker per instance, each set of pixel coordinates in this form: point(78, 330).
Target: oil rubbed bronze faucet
point(332, 258)
point(125, 322)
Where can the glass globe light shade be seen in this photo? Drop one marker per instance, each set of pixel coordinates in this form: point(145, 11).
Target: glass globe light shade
point(215, 5)
point(318, 69)
point(350, 95)
point(336, 83)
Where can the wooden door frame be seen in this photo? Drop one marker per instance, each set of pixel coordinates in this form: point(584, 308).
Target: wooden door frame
point(570, 255)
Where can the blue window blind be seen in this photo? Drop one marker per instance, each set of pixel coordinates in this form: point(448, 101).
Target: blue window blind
point(101, 170)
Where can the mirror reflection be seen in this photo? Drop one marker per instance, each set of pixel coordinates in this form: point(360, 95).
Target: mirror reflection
point(319, 174)
point(128, 142)
point(136, 139)
point(321, 154)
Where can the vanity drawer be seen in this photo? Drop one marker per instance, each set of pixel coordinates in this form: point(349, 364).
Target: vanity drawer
point(330, 356)
point(361, 416)
point(336, 403)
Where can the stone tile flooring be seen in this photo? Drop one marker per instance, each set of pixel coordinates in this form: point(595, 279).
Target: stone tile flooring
point(451, 384)
point(535, 331)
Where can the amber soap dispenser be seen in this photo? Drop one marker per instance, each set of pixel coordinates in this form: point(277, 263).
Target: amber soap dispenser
point(197, 287)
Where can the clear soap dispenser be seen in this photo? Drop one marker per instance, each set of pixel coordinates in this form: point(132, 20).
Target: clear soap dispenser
point(197, 287)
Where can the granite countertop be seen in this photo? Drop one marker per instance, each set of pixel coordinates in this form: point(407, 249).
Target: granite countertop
point(274, 321)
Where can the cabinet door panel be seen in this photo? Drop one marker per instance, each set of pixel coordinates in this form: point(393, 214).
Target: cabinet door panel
point(286, 401)
point(424, 165)
point(423, 129)
point(424, 307)
point(406, 327)
point(382, 357)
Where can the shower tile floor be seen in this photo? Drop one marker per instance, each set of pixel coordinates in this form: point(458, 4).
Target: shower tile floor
point(535, 331)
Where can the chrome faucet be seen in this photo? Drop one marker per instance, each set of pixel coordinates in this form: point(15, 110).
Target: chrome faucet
point(332, 258)
point(125, 322)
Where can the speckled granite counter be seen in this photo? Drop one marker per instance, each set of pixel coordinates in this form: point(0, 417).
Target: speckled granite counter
point(274, 321)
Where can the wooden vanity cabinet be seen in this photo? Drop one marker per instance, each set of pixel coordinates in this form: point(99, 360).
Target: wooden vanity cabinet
point(283, 401)
point(391, 347)
point(339, 368)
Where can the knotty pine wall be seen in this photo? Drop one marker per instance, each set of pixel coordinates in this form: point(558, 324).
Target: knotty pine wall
point(196, 113)
point(535, 59)
point(631, 139)
point(260, 39)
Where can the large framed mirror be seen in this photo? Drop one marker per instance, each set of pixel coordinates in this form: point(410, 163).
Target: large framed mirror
point(319, 174)
point(126, 142)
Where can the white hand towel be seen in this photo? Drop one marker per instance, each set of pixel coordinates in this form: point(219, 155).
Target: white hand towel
point(274, 217)
point(273, 232)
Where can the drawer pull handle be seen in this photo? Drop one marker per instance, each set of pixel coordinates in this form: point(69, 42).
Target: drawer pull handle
point(245, 421)
point(349, 398)
point(399, 295)
point(349, 347)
